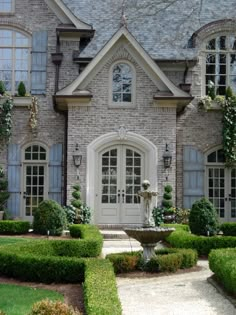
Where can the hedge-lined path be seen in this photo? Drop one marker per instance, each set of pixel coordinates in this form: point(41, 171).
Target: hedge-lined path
point(175, 294)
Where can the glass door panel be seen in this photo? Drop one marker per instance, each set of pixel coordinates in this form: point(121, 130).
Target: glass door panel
point(216, 188)
point(132, 176)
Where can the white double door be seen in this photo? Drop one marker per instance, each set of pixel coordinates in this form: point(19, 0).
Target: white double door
point(121, 171)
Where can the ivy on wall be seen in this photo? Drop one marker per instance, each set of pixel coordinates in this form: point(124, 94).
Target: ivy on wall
point(6, 118)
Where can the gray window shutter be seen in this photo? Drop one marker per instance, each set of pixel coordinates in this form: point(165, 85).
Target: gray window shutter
point(39, 62)
point(55, 173)
point(193, 176)
point(13, 172)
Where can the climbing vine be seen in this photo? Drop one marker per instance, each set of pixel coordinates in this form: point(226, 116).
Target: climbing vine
point(229, 130)
point(6, 118)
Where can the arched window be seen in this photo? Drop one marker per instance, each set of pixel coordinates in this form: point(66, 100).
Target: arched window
point(14, 59)
point(122, 84)
point(220, 64)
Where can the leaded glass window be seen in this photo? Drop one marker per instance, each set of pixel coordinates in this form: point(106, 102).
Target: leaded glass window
point(14, 59)
point(122, 80)
point(6, 6)
point(221, 64)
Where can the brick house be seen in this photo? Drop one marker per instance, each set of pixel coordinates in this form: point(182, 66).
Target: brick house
point(118, 85)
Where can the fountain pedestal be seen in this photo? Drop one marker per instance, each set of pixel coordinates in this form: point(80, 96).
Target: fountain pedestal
point(148, 238)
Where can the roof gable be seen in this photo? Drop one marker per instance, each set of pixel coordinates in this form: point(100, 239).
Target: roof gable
point(123, 37)
point(65, 15)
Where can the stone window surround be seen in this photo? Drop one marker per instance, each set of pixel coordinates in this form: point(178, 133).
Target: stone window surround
point(12, 11)
point(122, 105)
point(29, 46)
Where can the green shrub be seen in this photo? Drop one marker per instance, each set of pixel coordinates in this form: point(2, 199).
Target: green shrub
point(203, 219)
point(202, 244)
point(47, 307)
point(168, 259)
point(177, 226)
point(223, 263)
point(100, 293)
point(2, 88)
point(2, 313)
point(228, 228)
point(70, 212)
point(21, 89)
point(167, 197)
point(182, 216)
point(14, 227)
point(158, 215)
point(76, 202)
point(4, 194)
point(49, 216)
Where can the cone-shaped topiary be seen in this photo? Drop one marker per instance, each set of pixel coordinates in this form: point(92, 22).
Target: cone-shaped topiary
point(49, 216)
point(21, 89)
point(76, 202)
point(203, 219)
point(167, 197)
point(4, 194)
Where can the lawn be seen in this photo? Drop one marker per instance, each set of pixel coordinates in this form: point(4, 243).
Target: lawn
point(12, 240)
point(18, 300)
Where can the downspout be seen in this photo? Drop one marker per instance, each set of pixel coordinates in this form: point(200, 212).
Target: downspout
point(57, 60)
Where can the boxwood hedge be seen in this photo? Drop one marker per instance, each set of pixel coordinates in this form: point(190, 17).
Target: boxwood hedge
point(203, 244)
point(168, 259)
point(10, 227)
point(228, 228)
point(223, 263)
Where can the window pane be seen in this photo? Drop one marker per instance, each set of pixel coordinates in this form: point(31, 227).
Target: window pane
point(5, 5)
point(221, 43)
point(232, 42)
point(211, 45)
point(122, 83)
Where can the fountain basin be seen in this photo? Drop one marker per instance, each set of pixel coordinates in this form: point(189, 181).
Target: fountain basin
point(149, 237)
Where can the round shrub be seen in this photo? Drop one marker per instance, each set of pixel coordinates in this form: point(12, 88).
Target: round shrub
point(49, 216)
point(47, 307)
point(203, 219)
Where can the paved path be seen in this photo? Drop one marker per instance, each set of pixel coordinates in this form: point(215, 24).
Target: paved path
point(182, 294)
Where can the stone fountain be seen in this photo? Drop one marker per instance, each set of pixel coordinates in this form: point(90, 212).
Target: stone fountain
point(148, 235)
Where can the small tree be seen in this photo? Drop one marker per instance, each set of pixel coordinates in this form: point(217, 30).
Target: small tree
point(167, 202)
point(4, 194)
point(21, 89)
point(203, 219)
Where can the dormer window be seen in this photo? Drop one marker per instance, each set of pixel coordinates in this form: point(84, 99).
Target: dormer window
point(123, 82)
point(221, 64)
point(6, 6)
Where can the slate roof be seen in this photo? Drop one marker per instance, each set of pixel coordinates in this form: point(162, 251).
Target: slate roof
point(163, 30)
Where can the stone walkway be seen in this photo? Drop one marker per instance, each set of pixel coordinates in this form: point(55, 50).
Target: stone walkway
point(182, 294)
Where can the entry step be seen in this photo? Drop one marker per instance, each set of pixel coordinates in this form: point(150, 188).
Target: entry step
point(114, 234)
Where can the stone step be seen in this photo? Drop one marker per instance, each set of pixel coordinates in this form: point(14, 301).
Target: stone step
point(114, 235)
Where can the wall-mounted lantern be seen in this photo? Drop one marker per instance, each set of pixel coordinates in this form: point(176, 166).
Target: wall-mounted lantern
point(77, 158)
point(167, 158)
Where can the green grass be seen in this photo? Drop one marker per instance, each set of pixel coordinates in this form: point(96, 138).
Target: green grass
point(18, 300)
point(12, 240)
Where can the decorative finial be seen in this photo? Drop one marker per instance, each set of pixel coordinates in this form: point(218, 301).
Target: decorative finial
point(123, 17)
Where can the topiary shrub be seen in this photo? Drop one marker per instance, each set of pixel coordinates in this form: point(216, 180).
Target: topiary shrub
point(21, 89)
point(167, 197)
point(203, 219)
point(47, 307)
point(76, 202)
point(49, 216)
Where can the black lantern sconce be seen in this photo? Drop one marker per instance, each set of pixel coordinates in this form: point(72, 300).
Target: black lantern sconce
point(77, 158)
point(167, 158)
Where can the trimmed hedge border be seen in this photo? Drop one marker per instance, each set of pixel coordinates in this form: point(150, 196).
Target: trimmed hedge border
point(228, 228)
point(177, 226)
point(91, 239)
point(50, 261)
point(203, 244)
point(10, 227)
point(223, 263)
point(100, 292)
point(166, 260)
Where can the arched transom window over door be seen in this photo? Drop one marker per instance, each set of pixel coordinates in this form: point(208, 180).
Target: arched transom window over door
point(220, 63)
point(34, 178)
point(221, 185)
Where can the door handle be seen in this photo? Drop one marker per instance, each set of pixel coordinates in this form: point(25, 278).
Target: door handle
point(123, 196)
point(25, 194)
point(118, 195)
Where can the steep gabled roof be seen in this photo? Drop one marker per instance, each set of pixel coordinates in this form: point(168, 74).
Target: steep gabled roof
point(123, 37)
point(65, 15)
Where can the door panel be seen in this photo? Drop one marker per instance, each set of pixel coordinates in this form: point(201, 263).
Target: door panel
point(33, 189)
point(121, 174)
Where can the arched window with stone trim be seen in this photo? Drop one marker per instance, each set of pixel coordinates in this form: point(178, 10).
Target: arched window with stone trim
point(220, 63)
point(123, 84)
point(15, 57)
